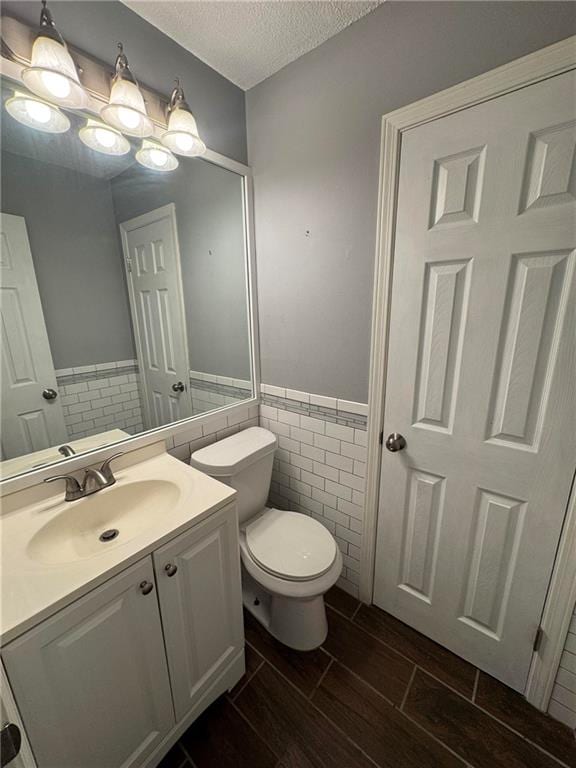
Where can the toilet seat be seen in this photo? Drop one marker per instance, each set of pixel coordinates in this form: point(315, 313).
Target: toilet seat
point(290, 545)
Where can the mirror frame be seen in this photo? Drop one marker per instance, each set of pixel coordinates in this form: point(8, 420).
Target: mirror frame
point(11, 72)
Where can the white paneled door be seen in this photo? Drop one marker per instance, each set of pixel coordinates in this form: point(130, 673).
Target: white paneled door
point(152, 256)
point(481, 375)
point(32, 416)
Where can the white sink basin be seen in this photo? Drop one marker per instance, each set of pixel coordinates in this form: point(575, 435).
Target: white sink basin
point(120, 512)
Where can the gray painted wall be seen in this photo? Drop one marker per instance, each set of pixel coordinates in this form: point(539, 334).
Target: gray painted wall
point(77, 258)
point(209, 216)
point(96, 27)
point(313, 138)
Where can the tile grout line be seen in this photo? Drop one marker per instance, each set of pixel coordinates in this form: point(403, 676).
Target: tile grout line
point(407, 691)
point(449, 687)
point(317, 710)
point(475, 689)
point(248, 678)
point(322, 676)
point(356, 611)
point(437, 740)
point(521, 736)
point(253, 728)
point(407, 658)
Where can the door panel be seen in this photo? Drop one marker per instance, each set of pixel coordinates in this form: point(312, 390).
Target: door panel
point(150, 244)
point(92, 682)
point(201, 605)
point(29, 422)
point(481, 371)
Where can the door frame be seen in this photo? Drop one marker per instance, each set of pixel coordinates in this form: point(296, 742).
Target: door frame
point(162, 212)
point(540, 65)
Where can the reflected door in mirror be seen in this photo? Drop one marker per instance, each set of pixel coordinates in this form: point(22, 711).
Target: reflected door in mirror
point(151, 252)
point(30, 421)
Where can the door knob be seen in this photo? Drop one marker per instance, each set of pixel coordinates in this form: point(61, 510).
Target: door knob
point(178, 387)
point(170, 569)
point(49, 394)
point(395, 442)
point(146, 587)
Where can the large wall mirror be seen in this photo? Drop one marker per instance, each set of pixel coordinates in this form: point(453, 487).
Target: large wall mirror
point(124, 294)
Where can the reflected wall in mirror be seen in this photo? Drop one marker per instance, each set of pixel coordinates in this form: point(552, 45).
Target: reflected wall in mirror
point(123, 294)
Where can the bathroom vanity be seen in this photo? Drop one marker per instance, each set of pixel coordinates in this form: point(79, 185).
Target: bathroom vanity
point(112, 648)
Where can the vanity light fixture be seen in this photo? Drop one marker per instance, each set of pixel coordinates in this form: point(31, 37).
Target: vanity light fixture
point(182, 133)
point(126, 110)
point(152, 154)
point(36, 113)
point(52, 73)
point(103, 138)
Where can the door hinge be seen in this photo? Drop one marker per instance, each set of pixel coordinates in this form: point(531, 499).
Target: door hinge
point(538, 637)
point(381, 438)
point(129, 265)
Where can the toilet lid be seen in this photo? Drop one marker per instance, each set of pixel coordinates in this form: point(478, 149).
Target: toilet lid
point(290, 545)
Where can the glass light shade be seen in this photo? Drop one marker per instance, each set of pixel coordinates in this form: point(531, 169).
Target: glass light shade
point(126, 110)
point(103, 138)
point(156, 157)
point(182, 134)
point(37, 114)
point(52, 74)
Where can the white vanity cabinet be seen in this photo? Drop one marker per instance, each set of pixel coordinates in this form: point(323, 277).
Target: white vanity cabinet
point(91, 682)
point(107, 680)
point(198, 576)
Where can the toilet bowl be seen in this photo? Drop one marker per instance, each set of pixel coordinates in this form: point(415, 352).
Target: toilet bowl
point(289, 560)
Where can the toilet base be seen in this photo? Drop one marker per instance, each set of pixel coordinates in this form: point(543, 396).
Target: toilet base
point(299, 623)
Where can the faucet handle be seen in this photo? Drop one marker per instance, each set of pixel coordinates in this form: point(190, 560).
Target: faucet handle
point(106, 469)
point(73, 488)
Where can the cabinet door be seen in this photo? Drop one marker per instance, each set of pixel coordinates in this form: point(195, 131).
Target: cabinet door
point(91, 682)
point(201, 605)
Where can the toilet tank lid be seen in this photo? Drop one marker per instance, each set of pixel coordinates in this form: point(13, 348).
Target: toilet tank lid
point(228, 456)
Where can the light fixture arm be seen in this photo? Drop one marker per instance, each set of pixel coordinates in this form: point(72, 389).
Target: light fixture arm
point(47, 27)
point(177, 99)
point(121, 69)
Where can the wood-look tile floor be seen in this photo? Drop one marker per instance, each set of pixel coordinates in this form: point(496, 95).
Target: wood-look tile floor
point(376, 694)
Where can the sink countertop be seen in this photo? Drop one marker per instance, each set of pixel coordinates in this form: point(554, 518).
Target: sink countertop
point(33, 590)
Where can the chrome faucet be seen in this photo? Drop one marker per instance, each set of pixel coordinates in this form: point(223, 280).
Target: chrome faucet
point(66, 451)
point(94, 480)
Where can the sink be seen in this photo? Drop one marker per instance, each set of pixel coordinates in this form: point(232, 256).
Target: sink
point(108, 518)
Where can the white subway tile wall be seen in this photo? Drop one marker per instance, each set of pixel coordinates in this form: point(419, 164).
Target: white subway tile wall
point(192, 438)
point(210, 391)
point(96, 398)
point(320, 465)
point(563, 702)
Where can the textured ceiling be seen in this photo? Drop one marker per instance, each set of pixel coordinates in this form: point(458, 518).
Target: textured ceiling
point(249, 41)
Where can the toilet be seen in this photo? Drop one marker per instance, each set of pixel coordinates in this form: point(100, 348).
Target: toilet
point(289, 560)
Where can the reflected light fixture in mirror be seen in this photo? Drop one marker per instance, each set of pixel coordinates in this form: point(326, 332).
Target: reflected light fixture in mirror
point(182, 133)
point(102, 138)
point(126, 110)
point(52, 73)
point(36, 113)
point(153, 155)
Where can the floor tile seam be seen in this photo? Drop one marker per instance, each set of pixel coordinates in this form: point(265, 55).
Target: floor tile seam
point(360, 604)
point(402, 713)
point(407, 691)
point(475, 689)
point(248, 677)
point(322, 676)
point(317, 710)
point(435, 738)
point(341, 613)
point(522, 736)
point(254, 729)
point(390, 647)
point(494, 718)
point(187, 754)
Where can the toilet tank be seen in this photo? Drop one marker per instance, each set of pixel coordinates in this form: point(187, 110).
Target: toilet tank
point(244, 462)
